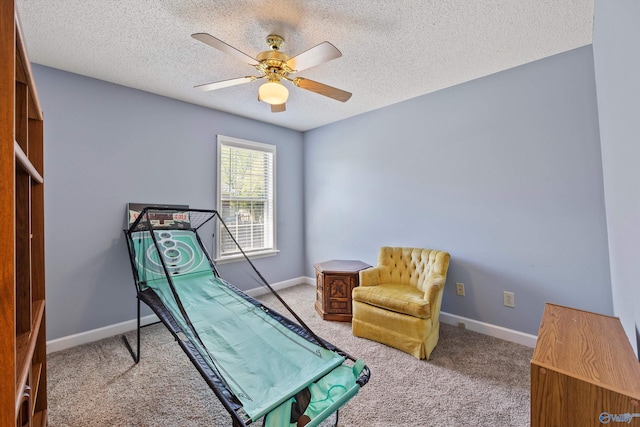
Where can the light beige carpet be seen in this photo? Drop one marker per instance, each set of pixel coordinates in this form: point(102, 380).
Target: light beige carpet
point(471, 380)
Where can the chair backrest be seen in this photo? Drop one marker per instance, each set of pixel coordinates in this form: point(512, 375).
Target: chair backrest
point(412, 266)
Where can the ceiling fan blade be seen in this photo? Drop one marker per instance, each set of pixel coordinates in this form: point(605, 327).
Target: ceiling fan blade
point(322, 89)
point(225, 83)
point(318, 54)
point(220, 45)
point(278, 108)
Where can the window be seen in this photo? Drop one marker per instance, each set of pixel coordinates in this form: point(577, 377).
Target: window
point(246, 198)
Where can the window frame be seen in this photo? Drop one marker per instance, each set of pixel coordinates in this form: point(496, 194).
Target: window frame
point(223, 140)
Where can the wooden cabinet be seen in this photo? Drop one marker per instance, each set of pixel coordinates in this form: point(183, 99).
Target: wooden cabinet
point(583, 372)
point(23, 388)
point(334, 282)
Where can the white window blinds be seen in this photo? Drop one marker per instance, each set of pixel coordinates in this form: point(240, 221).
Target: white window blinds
point(246, 199)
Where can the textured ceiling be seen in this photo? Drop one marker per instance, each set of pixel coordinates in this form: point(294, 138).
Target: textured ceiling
point(392, 50)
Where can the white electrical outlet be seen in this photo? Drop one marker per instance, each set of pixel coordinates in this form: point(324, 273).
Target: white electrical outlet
point(509, 299)
point(460, 289)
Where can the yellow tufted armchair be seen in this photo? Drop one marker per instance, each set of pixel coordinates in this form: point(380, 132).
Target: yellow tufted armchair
point(398, 301)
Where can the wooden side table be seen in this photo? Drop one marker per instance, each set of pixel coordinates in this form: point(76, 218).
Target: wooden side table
point(335, 280)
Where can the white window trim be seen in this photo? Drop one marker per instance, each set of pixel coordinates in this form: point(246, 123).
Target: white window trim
point(228, 140)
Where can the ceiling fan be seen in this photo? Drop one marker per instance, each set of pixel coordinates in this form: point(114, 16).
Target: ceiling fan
point(275, 66)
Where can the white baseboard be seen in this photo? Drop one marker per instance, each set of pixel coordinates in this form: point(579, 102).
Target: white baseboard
point(256, 292)
point(489, 329)
point(63, 343)
point(97, 334)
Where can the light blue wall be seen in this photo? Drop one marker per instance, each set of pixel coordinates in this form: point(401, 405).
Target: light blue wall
point(107, 145)
point(616, 46)
point(504, 172)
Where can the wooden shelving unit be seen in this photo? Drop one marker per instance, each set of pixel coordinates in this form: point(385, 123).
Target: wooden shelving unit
point(23, 366)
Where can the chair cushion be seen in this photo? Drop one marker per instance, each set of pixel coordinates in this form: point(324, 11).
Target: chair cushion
point(400, 298)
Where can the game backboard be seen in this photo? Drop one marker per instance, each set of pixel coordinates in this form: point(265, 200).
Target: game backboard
point(176, 217)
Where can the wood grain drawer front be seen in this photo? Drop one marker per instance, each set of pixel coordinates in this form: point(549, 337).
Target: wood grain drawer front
point(340, 286)
point(319, 286)
point(337, 306)
point(339, 289)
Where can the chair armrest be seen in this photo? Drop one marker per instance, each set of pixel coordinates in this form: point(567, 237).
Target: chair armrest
point(370, 276)
point(434, 286)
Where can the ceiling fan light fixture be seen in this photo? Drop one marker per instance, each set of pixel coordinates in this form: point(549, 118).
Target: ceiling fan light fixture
point(273, 92)
point(273, 65)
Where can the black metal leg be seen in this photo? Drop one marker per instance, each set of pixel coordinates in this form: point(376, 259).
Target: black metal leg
point(136, 355)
